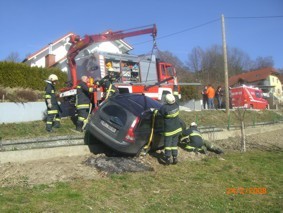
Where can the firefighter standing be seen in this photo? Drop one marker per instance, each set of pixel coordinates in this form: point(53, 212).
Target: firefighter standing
point(83, 102)
point(195, 142)
point(172, 126)
point(53, 108)
point(107, 84)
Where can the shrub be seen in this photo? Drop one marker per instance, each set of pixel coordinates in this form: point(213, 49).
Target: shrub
point(20, 94)
point(26, 95)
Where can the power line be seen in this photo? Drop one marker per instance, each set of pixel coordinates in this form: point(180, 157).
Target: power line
point(182, 31)
point(210, 22)
point(252, 17)
point(189, 29)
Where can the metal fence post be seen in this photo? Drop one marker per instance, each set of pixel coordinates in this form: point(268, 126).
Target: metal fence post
point(228, 126)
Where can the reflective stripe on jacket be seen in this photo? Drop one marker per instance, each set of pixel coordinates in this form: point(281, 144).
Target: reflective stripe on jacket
point(83, 96)
point(170, 113)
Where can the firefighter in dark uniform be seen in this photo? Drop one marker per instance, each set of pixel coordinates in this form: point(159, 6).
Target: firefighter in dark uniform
point(53, 116)
point(194, 141)
point(83, 102)
point(172, 126)
point(108, 86)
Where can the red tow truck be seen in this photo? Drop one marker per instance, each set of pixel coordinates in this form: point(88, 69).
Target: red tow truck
point(137, 74)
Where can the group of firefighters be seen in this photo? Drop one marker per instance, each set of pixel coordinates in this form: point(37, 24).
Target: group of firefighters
point(173, 129)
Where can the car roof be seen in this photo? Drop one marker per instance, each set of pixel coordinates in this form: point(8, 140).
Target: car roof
point(136, 103)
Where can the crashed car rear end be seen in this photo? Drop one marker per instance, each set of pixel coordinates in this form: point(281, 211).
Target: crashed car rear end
point(124, 123)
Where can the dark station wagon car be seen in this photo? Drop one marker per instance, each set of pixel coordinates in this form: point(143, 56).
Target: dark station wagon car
point(123, 123)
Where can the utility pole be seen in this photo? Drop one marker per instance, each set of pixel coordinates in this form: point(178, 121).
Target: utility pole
point(225, 66)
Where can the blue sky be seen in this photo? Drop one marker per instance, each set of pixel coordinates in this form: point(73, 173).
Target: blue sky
point(27, 26)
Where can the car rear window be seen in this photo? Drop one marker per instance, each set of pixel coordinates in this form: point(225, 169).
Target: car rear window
point(136, 103)
point(116, 114)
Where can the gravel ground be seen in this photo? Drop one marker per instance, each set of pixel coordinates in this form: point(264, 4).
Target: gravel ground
point(87, 167)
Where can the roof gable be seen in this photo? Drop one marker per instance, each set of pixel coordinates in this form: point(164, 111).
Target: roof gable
point(253, 76)
point(46, 48)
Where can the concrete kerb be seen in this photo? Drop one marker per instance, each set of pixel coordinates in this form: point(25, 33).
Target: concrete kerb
point(41, 154)
point(236, 133)
point(79, 150)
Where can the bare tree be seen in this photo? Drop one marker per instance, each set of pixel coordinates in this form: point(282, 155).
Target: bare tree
point(240, 114)
point(262, 62)
point(208, 64)
point(13, 57)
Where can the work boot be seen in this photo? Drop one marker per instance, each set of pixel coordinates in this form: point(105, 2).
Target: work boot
point(204, 150)
point(219, 151)
point(167, 160)
point(49, 130)
point(175, 160)
point(57, 124)
point(79, 126)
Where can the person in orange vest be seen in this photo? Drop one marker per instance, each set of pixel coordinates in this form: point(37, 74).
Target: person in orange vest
point(210, 95)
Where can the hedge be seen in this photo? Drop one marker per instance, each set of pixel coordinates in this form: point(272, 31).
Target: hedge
point(21, 75)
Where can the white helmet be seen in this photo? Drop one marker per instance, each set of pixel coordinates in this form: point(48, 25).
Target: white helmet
point(170, 99)
point(193, 124)
point(53, 77)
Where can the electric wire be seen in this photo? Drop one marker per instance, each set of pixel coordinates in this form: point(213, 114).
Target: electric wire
point(210, 22)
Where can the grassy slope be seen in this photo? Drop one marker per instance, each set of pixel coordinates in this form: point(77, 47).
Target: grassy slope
point(216, 118)
point(201, 186)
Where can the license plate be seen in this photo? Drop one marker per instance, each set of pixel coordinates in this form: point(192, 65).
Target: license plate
point(112, 129)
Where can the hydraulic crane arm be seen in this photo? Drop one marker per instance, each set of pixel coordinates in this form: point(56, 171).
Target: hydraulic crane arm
point(80, 43)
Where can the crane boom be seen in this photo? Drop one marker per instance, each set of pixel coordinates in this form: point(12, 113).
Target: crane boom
point(77, 43)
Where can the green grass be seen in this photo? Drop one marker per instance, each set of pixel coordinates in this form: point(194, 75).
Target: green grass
point(187, 187)
point(216, 118)
point(34, 129)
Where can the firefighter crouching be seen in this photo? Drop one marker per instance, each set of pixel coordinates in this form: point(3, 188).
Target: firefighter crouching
point(53, 108)
point(83, 102)
point(172, 126)
point(194, 141)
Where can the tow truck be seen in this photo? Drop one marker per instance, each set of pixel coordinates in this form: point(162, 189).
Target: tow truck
point(143, 74)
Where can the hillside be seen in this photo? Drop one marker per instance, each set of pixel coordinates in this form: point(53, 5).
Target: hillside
point(216, 118)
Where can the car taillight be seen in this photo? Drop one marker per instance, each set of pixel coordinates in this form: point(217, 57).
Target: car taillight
point(130, 137)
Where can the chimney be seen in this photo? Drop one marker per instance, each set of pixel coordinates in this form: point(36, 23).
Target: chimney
point(50, 57)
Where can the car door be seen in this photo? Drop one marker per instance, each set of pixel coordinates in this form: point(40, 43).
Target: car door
point(145, 129)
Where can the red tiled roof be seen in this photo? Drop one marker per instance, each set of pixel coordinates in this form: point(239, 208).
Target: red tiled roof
point(253, 76)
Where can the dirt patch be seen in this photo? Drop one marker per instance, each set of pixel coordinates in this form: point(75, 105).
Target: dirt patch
point(89, 167)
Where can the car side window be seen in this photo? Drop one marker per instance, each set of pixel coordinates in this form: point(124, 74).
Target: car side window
point(145, 122)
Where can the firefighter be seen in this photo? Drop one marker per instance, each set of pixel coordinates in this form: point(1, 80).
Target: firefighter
point(83, 102)
point(107, 84)
point(194, 141)
point(53, 108)
point(172, 126)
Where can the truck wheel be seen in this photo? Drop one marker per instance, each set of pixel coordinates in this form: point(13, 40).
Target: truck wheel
point(251, 106)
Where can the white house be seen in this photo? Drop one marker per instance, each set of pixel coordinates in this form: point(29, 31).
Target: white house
point(54, 54)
